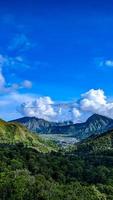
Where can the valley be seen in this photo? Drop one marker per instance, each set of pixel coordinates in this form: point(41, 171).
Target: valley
point(62, 140)
point(56, 166)
point(67, 133)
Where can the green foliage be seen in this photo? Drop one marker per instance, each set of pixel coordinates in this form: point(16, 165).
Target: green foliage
point(85, 172)
point(95, 144)
point(13, 133)
point(26, 174)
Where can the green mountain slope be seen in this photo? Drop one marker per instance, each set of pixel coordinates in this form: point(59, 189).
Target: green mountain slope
point(13, 133)
point(96, 144)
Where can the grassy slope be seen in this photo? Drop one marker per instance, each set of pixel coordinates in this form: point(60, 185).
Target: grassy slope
point(97, 143)
point(12, 133)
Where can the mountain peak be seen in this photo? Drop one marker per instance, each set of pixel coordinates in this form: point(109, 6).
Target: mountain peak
point(96, 116)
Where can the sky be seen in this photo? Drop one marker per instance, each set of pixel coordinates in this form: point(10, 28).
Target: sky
point(56, 59)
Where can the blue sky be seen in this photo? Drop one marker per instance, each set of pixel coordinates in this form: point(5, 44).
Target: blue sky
point(60, 49)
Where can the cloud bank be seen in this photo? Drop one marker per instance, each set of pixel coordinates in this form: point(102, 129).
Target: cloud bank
point(93, 101)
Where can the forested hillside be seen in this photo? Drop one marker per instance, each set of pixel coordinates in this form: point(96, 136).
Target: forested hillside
point(13, 133)
point(80, 174)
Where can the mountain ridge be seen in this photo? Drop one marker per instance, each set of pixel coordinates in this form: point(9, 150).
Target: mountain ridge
point(95, 124)
point(96, 143)
point(14, 133)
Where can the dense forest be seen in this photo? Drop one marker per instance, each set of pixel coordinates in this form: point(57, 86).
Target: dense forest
point(26, 174)
point(34, 169)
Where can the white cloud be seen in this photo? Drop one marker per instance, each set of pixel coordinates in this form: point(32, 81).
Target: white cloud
point(8, 62)
point(106, 63)
point(46, 108)
point(11, 65)
point(16, 62)
point(93, 101)
point(2, 79)
point(10, 102)
point(109, 63)
point(27, 84)
point(76, 113)
point(41, 108)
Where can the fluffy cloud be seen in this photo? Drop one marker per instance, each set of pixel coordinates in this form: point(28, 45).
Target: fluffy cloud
point(10, 103)
point(46, 108)
point(106, 63)
point(93, 101)
point(41, 107)
point(109, 63)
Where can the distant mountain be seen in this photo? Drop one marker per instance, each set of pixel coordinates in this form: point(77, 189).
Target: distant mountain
point(96, 124)
point(12, 133)
point(40, 125)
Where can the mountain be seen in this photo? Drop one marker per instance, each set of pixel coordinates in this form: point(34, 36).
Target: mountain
point(12, 133)
point(96, 144)
point(40, 125)
point(96, 124)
